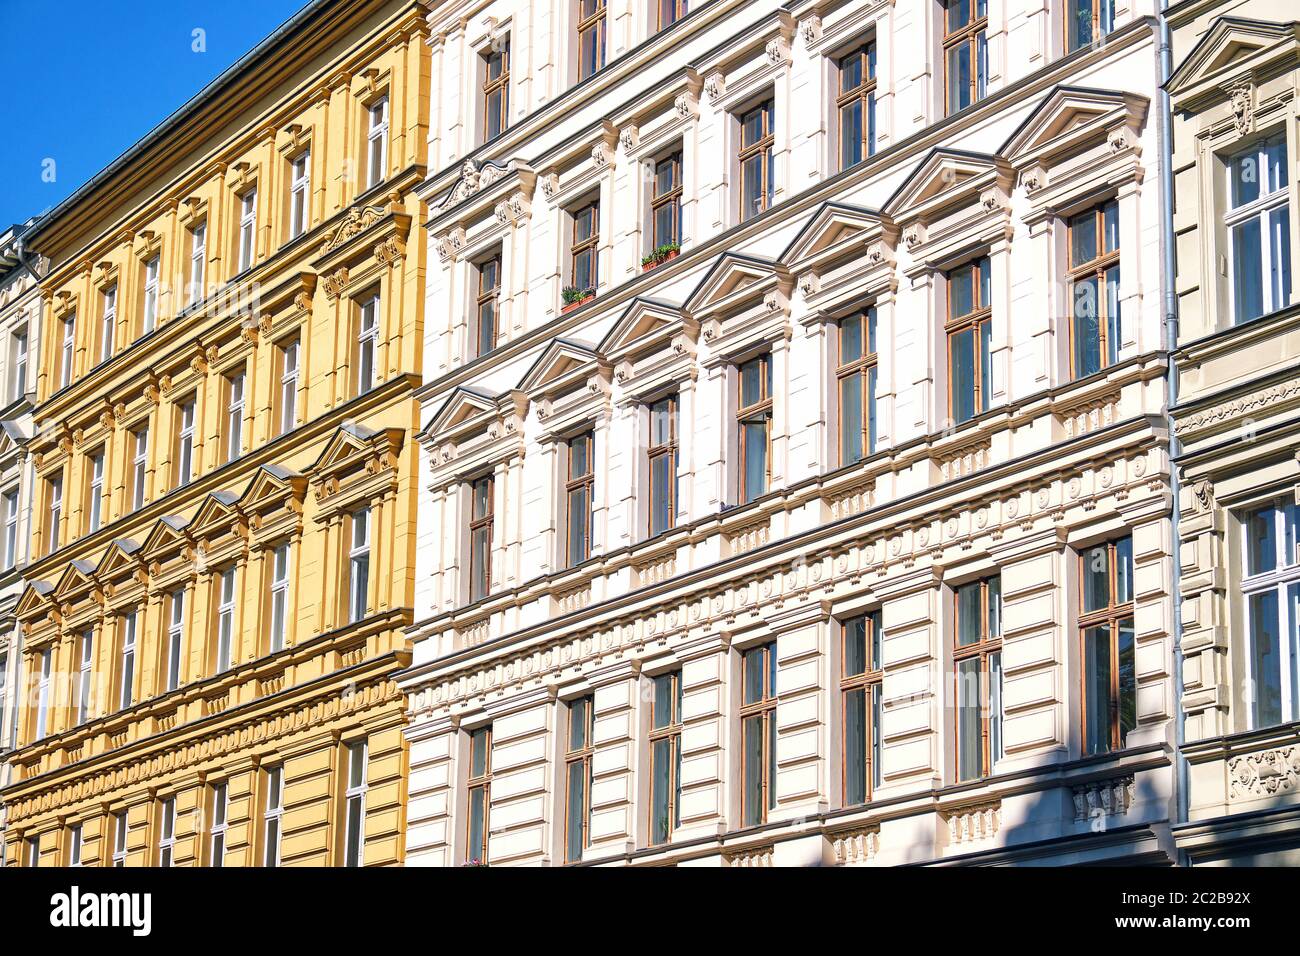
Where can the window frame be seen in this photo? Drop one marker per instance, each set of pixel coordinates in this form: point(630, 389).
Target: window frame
point(287, 350)
point(487, 297)
point(575, 483)
point(670, 199)
point(1259, 210)
point(1111, 616)
point(175, 639)
point(95, 493)
point(121, 832)
point(299, 194)
point(578, 756)
point(42, 725)
point(367, 344)
point(185, 441)
point(870, 682)
point(167, 831)
point(1101, 23)
point(357, 754)
point(126, 660)
point(762, 410)
point(481, 782)
point(763, 146)
point(107, 322)
point(68, 349)
point(85, 674)
point(219, 814)
point(587, 24)
point(974, 321)
point(983, 650)
point(866, 367)
point(972, 34)
point(149, 315)
point(227, 598)
point(235, 388)
point(670, 732)
point(54, 490)
point(139, 465)
point(588, 245)
point(1283, 581)
point(377, 142)
point(498, 85)
point(279, 610)
point(246, 253)
point(863, 95)
point(21, 355)
point(9, 499)
point(656, 451)
point(764, 710)
point(1095, 269)
point(677, 10)
point(272, 814)
point(359, 560)
point(198, 263)
point(481, 525)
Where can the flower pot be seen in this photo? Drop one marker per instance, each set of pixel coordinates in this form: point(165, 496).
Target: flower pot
point(646, 267)
point(569, 307)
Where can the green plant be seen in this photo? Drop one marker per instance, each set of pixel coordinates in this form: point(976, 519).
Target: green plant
point(572, 294)
point(660, 253)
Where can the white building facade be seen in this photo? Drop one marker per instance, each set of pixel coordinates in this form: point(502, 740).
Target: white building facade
point(20, 309)
point(794, 475)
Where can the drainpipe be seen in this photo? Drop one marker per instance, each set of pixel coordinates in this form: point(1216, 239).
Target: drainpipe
point(1164, 134)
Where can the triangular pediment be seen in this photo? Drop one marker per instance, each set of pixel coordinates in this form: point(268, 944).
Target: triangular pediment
point(11, 439)
point(465, 405)
point(1231, 47)
point(645, 322)
point(165, 537)
point(122, 557)
point(270, 486)
point(833, 225)
point(560, 362)
point(348, 440)
point(943, 176)
point(1069, 116)
point(218, 507)
point(34, 599)
point(732, 280)
point(77, 579)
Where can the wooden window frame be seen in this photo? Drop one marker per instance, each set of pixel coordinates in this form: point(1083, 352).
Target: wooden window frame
point(1097, 29)
point(493, 85)
point(670, 731)
point(871, 683)
point(864, 93)
point(579, 756)
point(672, 197)
point(588, 245)
point(573, 484)
point(969, 34)
point(867, 363)
point(981, 313)
point(765, 710)
point(982, 650)
point(761, 410)
point(676, 9)
point(1096, 269)
point(481, 524)
point(484, 783)
point(654, 452)
point(760, 147)
point(1110, 617)
point(584, 25)
point(487, 296)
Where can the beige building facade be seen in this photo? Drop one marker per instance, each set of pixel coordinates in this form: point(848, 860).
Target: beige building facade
point(795, 486)
point(1234, 97)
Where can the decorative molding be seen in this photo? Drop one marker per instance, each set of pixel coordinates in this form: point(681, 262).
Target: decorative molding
point(1103, 798)
point(1266, 773)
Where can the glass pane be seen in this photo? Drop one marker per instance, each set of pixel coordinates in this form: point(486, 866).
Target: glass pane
point(753, 778)
point(851, 418)
point(1245, 175)
point(478, 762)
point(1096, 689)
point(877, 737)
point(753, 662)
point(1280, 257)
point(850, 339)
point(993, 592)
point(961, 291)
point(876, 629)
point(851, 133)
point(578, 717)
point(962, 374)
point(1083, 238)
point(1293, 643)
point(662, 481)
point(660, 790)
point(752, 197)
point(1247, 270)
point(475, 852)
point(871, 409)
point(970, 759)
point(970, 613)
point(1265, 659)
point(995, 707)
point(664, 701)
point(771, 762)
point(578, 518)
point(958, 14)
point(1123, 570)
point(1291, 519)
point(959, 67)
point(855, 746)
point(754, 437)
point(1096, 578)
point(751, 382)
point(855, 646)
point(1112, 315)
point(851, 71)
point(1127, 679)
point(1079, 25)
point(575, 810)
point(985, 330)
point(354, 833)
point(1261, 540)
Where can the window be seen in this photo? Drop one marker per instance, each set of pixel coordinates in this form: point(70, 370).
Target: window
point(965, 51)
point(85, 675)
point(198, 262)
point(107, 323)
point(591, 37)
point(977, 661)
point(247, 229)
point(662, 455)
point(578, 490)
point(757, 162)
point(119, 839)
point(185, 444)
point(496, 89)
point(4, 700)
point(377, 143)
point(1271, 584)
point(299, 194)
point(56, 510)
point(969, 336)
point(150, 317)
point(1087, 21)
point(479, 794)
point(856, 105)
point(354, 836)
point(225, 619)
point(577, 774)
point(359, 565)
point(139, 465)
point(583, 265)
point(288, 385)
point(279, 597)
point(488, 305)
point(74, 845)
point(1259, 226)
point(758, 730)
point(220, 799)
point(175, 638)
point(126, 674)
point(18, 362)
point(670, 11)
point(1106, 631)
point(33, 851)
point(480, 537)
point(861, 676)
point(43, 694)
point(96, 501)
point(273, 811)
point(167, 832)
point(10, 502)
point(367, 342)
point(234, 416)
point(856, 375)
point(754, 421)
point(665, 756)
point(1094, 282)
point(666, 202)
point(68, 350)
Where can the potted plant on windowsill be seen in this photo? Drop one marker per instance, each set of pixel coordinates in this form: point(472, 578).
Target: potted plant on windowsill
point(660, 254)
point(474, 862)
point(574, 297)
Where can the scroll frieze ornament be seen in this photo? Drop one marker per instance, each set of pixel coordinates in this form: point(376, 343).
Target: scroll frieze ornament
point(1266, 773)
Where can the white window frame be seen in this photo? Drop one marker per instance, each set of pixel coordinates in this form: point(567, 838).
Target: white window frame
point(198, 262)
point(126, 676)
point(225, 619)
point(235, 415)
point(175, 638)
point(108, 324)
point(359, 565)
point(85, 674)
point(1283, 578)
point(367, 343)
point(279, 597)
point(377, 142)
point(273, 815)
point(1260, 209)
point(20, 357)
point(56, 510)
point(247, 229)
point(10, 499)
point(74, 845)
point(120, 829)
point(69, 350)
point(139, 465)
point(167, 833)
point(96, 491)
point(299, 194)
point(217, 829)
point(354, 840)
point(43, 694)
point(33, 846)
point(185, 453)
point(289, 355)
point(151, 294)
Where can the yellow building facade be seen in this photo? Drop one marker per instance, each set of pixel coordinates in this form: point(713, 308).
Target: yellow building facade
point(224, 511)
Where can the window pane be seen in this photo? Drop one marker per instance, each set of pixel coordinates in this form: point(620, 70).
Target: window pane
point(1247, 270)
point(855, 646)
point(1096, 578)
point(1127, 679)
point(1123, 570)
point(876, 629)
point(961, 291)
point(753, 663)
point(353, 853)
point(851, 133)
point(754, 437)
point(477, 819)
point(665, 701)
point(871, 409)
point(578, 515)
point(877, 737)
point(1265, 659)
point(850, 339)
point(962, 374)
point(1261, 540)
point(753, 783)
point(1096, 689)
point(993, 590)
point(575, 813)
point(970, 762)
point(959, 67)
point(578, 716)
point(660, 790)
point(1280, 256)
point(751, 382)
point(662, 478)
point(478, 753)
point(995, 707)
point(1083, 238)
point(851, 418)
point(855, 746)
point(970, 613)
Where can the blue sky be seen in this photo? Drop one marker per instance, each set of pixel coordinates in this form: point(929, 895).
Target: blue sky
point(88, 78)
